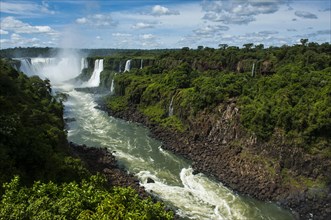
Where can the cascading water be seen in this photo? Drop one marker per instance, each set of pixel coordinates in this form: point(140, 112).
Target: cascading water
point(83, 64)
point(120, 67)
point(112, 86)
point(55, 69)
point(127, 66)
point(26, 67)
point(171, 108)
point(94, 81)
point(141, 63)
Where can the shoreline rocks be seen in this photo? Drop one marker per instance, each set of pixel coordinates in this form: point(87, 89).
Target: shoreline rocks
point(220, 148)
point(102, 161)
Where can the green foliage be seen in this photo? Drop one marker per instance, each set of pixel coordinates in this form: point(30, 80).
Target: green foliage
point(118, 103)
point(90, 199)
point(290, 88)
point(32, 136)
point(297, 103)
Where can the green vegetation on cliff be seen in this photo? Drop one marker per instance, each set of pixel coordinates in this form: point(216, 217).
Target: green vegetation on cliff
point(32, 137)
point(287, 88)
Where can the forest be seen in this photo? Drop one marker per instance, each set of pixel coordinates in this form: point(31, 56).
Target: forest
point(40, 178)
point(286, 88)
point(282, 95)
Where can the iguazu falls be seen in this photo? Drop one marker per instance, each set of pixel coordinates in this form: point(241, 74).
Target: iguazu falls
point(165, 110)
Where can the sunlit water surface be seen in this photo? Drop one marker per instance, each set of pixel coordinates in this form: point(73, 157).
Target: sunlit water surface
point(194, 196)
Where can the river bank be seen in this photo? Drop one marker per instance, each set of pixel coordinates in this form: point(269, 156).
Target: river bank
point(220, 148)
point(100, 160)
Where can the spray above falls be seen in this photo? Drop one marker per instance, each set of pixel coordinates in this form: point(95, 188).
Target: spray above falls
point(56, 69)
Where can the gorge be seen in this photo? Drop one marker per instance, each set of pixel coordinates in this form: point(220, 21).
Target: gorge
point(244, 123)
point(162, 173)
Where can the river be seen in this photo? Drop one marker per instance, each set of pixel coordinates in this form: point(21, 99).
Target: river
point(194, 196)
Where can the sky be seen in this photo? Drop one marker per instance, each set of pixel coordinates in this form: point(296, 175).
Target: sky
point(151, 24)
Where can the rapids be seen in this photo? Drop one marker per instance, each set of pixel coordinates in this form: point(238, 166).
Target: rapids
point(194, 196)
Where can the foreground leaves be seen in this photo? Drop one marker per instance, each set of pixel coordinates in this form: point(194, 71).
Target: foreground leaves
point(89, 199)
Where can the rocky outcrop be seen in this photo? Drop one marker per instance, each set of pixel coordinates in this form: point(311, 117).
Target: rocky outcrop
point(102, 161)
point(273, 170)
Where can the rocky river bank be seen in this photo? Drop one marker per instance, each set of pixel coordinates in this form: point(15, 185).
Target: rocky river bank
point(270, 171)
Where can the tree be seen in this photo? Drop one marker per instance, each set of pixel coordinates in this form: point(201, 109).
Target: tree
point(259, 46)
point(248, 46)
point(303, 42)
point(223, 46)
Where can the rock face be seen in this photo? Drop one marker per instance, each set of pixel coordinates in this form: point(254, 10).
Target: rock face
point(102, 161)
point(272, 170)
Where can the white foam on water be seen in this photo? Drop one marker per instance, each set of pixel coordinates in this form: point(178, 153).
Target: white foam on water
point(195, 196)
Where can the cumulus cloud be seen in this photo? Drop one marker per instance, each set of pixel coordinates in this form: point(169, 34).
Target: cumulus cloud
point(147, 36)
point(238, 12)
point(305, 14)
point(325, 10)
point(97, 20)
point(210, 31)
point(148, 41)
point(121, 35)
point(81, 20)
point(318, 33)
point(3, 32)
point(16, 39)
point(25, 8)
point(159, 10)
point(142, 25)
point(17, 26)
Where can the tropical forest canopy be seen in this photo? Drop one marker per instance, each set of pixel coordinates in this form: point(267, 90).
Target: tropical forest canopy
point(40, 178)
point(284, 88)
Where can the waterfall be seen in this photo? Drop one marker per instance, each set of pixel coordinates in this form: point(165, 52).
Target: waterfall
point(141, 63)
point(253, 70)
point(127, 66)
point(171, 108)
point(94, 81)
point(26, 67)
point(55, 69)
point(112, 86)
point(83, 64)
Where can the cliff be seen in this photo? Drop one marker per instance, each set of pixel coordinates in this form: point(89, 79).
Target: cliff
point(271, 170)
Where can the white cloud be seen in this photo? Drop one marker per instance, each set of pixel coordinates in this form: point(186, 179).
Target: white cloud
point(210, 31)
point(305, 14)
point(142, 25)
point(16, 37)
point(315, 34)
point(121, 35)
point(17, 26)
point(148, 41)
point(159, 10)
point(238, 12)
point(97, 20)
point(81, 20)
point(3, 32)
point(147, 36)
point(25, 8)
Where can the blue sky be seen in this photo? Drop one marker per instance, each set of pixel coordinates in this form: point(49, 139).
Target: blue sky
point(153, 24)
